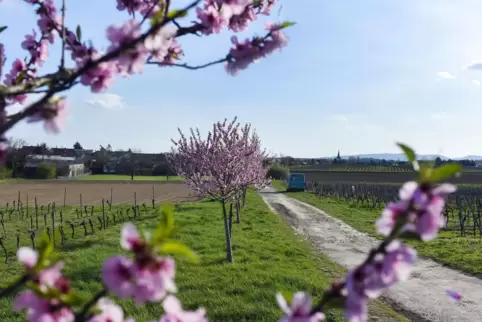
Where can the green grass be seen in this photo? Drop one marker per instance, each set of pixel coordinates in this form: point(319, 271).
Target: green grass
point(462, 253)
point(268, 257)
point(128, 178)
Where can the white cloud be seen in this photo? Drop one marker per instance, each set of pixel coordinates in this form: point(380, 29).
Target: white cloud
point(445, 75)
point(440, 116)
point(476, 82)
point(474, 66)
point(108, 100)
point(340, 118)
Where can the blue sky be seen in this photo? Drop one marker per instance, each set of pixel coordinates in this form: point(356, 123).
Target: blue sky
point(356, 76)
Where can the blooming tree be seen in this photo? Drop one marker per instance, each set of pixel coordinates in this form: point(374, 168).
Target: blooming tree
point(147, 275)
point(220, 166)
point(132, 45)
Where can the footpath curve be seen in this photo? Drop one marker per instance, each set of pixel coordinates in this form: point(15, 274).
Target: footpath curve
point(423, 297)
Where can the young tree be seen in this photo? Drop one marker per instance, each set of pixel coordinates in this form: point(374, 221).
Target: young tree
point(219, 166)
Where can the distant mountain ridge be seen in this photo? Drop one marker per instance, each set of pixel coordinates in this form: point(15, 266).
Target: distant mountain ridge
point(402, 157)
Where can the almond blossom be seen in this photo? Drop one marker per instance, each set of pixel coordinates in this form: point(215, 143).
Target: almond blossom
point(147, 278)
point(27, 256)
point(299, 310)
point(420, 208)
point(109, 312)
point(174, 312)
point(42, 310)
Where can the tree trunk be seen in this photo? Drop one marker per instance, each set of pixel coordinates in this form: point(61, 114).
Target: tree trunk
point(244, 196)
point(231, 221)
point(229, 251)
point(238, 210)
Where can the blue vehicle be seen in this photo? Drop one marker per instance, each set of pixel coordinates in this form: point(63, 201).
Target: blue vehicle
point(296, 182)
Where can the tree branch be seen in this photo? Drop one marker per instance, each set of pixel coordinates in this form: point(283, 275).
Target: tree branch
point(188, 30)
point(185, 65)
point(62, 60)
point(67, 77)
point(82, 315)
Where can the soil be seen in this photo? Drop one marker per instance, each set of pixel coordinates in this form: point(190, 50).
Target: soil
point(93, 192)
point(422, 298)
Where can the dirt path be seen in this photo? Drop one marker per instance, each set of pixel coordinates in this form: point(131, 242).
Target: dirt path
point(423, 297)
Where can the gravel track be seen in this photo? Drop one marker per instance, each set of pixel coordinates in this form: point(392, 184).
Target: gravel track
point(422, 298)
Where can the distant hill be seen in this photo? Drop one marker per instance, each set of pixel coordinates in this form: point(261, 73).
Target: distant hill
point(402, 157)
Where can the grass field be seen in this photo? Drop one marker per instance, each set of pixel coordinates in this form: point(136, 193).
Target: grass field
point(127, 177)
point(462, 253)
point(268, 257)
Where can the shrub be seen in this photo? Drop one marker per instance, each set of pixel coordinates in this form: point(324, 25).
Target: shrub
point(46, 171)
point(5, 173)
point(62, 170)
point(278, 172)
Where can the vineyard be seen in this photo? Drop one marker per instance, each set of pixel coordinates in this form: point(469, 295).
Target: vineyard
point(354, 168)
point(463, 211)
point(75, 210)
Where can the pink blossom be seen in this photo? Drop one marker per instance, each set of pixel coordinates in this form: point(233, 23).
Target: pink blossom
point(390, 215)
point(422, 207)
point(212, 20)
point(174, 52)
point(240, 22)
point(118, 276)
point(267, 5)
point(232, 8)
point(154, 280)
point(130, 5)
point(18, 67)
point(101, 77)
point(30, 42)
point(150, 8)
point(242, 55)
point(78, 50)
point(48, 7)
point(174, 312)
point(276, 41)
point(454, 295)
point(133, 60)
point(130, 238)
point(49, 26)
point(42, 53)
point(397, 263)
point(119, 35)
point(42, 310)
point(52, 114)
point(356, 308)
point(299, 310)
point(51, 277)
point(110, 312)
point(27, 256)
point(365, 281)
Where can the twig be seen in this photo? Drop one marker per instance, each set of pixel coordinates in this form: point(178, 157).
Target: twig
point(81, 316)
point(68, 77)
point(185, 65)
point(62, 60)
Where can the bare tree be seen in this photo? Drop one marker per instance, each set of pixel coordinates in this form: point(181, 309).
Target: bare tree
point(15, 155)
